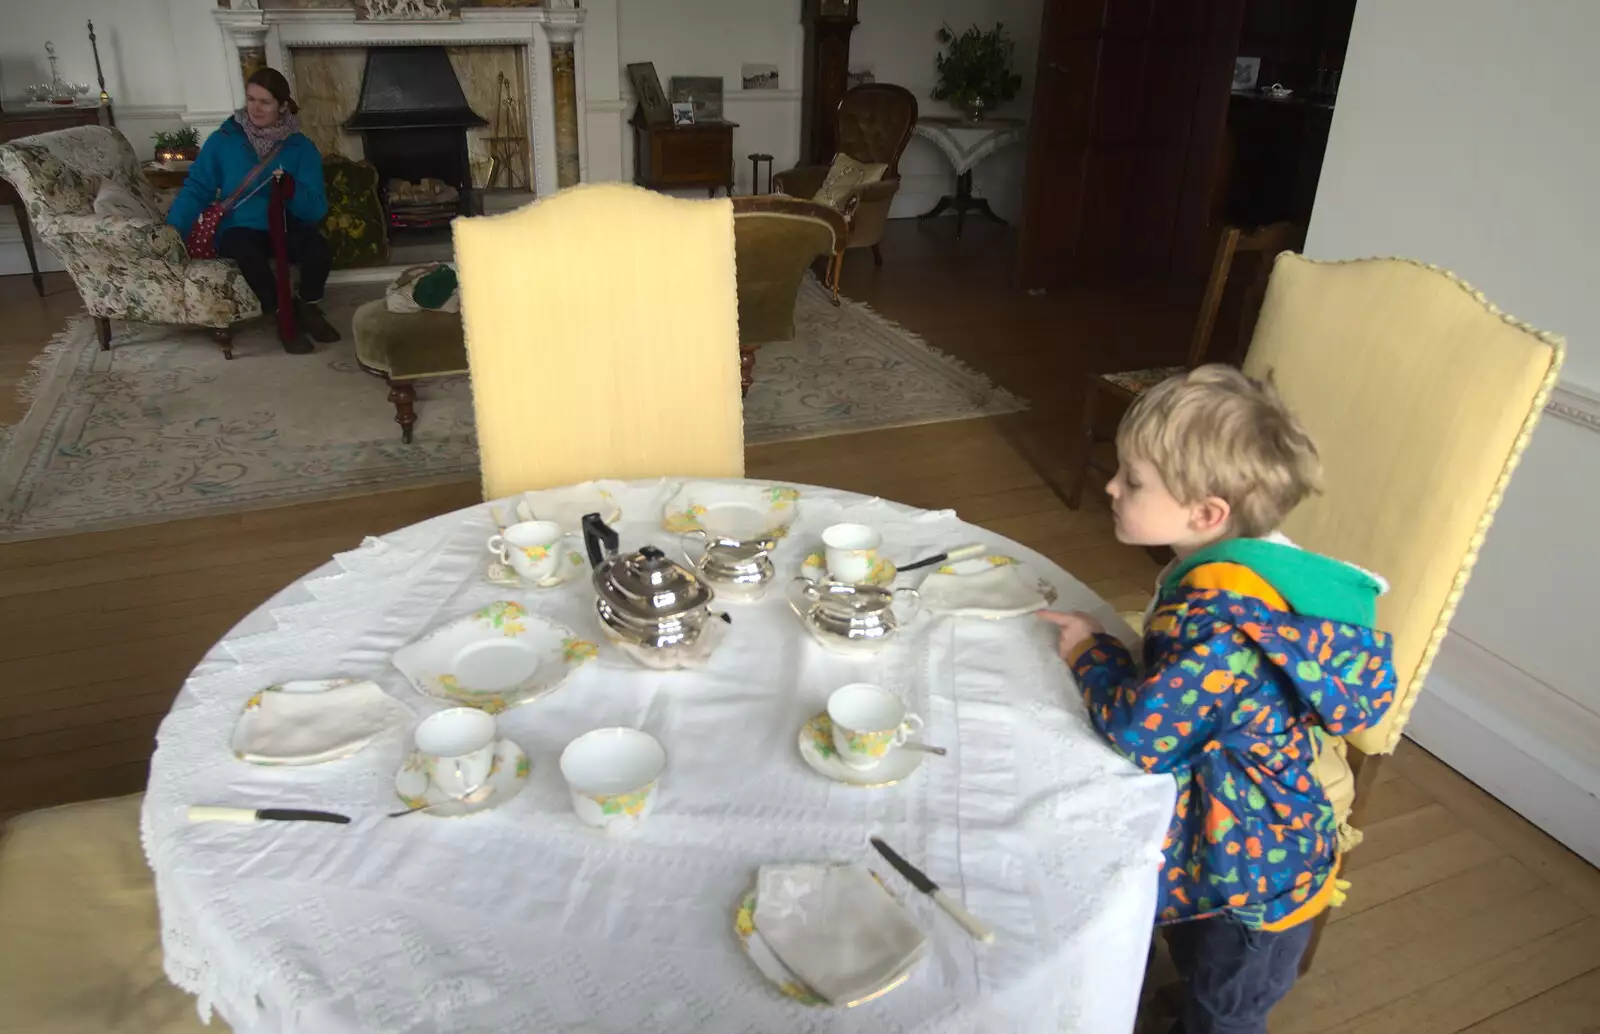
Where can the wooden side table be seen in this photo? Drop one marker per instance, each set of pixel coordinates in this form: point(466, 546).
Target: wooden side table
point(165, 179)
point(699, 155)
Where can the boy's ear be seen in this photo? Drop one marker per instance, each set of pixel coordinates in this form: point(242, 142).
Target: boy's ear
point(1209, 515)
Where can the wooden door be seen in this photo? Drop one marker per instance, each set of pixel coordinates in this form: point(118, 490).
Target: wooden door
point(1129, 106)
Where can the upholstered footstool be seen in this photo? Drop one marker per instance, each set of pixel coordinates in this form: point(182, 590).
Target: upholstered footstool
point(80, 940)
point(406, 347)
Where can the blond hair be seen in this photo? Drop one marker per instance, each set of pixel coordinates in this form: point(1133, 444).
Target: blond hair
point(1215, 432)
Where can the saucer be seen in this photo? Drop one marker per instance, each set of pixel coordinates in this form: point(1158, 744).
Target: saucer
point(503, 575)
point(815, 568)
point(733, 511)
point(816, 746)
point(507, 776)
point(498, 657)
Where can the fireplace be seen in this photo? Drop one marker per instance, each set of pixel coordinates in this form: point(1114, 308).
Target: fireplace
point(413, 120)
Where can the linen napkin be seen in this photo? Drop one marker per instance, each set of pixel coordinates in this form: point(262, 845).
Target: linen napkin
point(290, 726)
point(835, 928)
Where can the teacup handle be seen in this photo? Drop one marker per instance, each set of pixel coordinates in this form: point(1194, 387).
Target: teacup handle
point(497, 546)
point(916, 602)
point(911, 725)
point(807, 590)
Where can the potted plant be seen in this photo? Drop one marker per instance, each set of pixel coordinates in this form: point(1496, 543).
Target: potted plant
point(975, 69)
point(181, 145)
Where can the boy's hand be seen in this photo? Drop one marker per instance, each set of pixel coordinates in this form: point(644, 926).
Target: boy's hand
point(1075, 627)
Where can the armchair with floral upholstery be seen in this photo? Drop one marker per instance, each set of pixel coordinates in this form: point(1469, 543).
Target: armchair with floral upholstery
point(874, 126)
point(125, 266)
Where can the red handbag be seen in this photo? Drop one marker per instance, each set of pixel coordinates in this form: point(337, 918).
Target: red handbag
point(201, 242)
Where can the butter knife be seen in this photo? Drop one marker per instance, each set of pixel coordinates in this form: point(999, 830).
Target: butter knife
point(218, 813)
point(959, 553)
point(919, 879)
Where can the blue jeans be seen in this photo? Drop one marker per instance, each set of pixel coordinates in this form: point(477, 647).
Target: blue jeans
point(1233, 975)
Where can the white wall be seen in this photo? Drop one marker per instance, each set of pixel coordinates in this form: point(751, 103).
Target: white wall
point(1465, 136)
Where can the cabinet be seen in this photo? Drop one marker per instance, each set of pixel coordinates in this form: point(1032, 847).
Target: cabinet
point(698, 155)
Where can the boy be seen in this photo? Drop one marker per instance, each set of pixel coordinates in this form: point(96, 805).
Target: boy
point(1251, 647)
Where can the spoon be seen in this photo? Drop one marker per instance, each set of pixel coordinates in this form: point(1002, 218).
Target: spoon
point(924, 748)
point(472, 798)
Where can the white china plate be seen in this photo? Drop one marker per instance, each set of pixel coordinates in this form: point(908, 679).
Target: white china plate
point(993, 587)
point(567, 506)
point(496, 658)
point(246, 724)
point(816, 746)
point(815, 567)
point(735, 511)
point(507, 776)
point(505, 575)
point(779, 975)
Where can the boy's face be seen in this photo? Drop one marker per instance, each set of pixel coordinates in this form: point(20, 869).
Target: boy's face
point(1146, 514)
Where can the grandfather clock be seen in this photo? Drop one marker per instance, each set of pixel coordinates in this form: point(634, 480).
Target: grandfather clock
point(828, 26)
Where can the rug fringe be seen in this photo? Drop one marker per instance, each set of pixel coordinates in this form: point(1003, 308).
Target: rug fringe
point(39, 367)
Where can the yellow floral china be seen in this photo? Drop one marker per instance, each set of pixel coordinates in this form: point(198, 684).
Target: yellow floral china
point(567, 505)
point(992, 587)
point(818, 751)
point(882, 571)
point(742, 511)
point(573, 568)
point(508, 774)
point(613, 775)
point(495, 658)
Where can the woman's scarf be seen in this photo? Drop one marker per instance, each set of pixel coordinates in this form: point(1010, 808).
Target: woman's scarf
point(264, 139)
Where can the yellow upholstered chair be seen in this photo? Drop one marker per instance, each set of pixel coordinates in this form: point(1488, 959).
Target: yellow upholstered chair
point(602, 330)
point(1421, 397)
point(80, 941)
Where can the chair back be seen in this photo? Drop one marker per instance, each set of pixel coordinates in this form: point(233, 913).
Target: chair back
point(875, 122)
point(1235, 289)
point(602, 335)
point(1421, 397)
point(777, 239)
point(59, 173)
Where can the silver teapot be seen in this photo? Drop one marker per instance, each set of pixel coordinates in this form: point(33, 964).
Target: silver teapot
point(656, 611)
point(738, 570)
point(851, 619)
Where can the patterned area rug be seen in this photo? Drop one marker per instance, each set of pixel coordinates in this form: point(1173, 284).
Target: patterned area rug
point(162, 427)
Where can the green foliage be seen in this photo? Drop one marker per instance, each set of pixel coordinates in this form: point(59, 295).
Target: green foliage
point(976, 67)
point(178, 140)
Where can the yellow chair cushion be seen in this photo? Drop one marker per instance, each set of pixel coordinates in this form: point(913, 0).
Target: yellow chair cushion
point(80, 941)
point(1420, 396)
point(602, 330)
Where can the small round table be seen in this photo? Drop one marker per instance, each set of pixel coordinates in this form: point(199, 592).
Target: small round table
point(756, 161)
point(966, 143)
point(520, 918)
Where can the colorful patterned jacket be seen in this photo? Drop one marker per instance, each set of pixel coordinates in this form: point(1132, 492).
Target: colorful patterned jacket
point(1252, 646)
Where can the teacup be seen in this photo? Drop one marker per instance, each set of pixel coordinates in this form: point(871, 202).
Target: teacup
point(850, 552)
point(613, 774)
point(457, 746)
point(868, 722)
point(531, 548)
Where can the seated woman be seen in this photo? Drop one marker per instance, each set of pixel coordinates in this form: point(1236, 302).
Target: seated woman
point(266, 122)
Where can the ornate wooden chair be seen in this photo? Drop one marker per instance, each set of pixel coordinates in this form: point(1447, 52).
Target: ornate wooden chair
point(777, 239)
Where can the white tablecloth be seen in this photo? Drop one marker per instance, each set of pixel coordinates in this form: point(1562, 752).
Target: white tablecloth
point(521, 920)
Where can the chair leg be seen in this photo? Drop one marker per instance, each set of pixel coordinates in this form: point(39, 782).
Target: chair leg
point(102, 327)
point(404, 395)
point(838, 271)
point(877, 255)
point(1074, 496)
point(224, 337)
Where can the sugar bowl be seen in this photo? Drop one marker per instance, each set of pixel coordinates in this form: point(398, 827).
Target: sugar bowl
point(851, 619)
point(739, 571)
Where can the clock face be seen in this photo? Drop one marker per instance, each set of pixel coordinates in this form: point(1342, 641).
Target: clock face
point(835, 8)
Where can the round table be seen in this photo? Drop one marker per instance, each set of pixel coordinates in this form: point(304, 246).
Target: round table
point(967, 143)
point(521, 919)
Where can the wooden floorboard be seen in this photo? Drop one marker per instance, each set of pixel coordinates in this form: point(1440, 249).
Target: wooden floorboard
point(1461, 915)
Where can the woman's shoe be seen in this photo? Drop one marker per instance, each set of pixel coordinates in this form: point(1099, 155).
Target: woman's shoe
point(310, 318)
point(298, 345)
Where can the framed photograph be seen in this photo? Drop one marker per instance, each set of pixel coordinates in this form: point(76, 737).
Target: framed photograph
point(755, 76)
point(703, 91)
point(859, 77)
point(647, 88)
point(1246, 70)
point(683, 113)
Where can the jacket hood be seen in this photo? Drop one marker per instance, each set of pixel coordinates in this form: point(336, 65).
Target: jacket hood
point(1324, 644)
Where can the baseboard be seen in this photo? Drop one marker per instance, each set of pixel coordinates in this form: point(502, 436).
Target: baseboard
point(1517, 738)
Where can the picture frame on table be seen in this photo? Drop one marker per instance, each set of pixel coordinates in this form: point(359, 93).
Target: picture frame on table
point(647, 89)
point(683, 113)
point(703, 91)
point(1246, 71)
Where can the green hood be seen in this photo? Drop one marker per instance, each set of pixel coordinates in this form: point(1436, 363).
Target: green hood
point(1314, 585)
